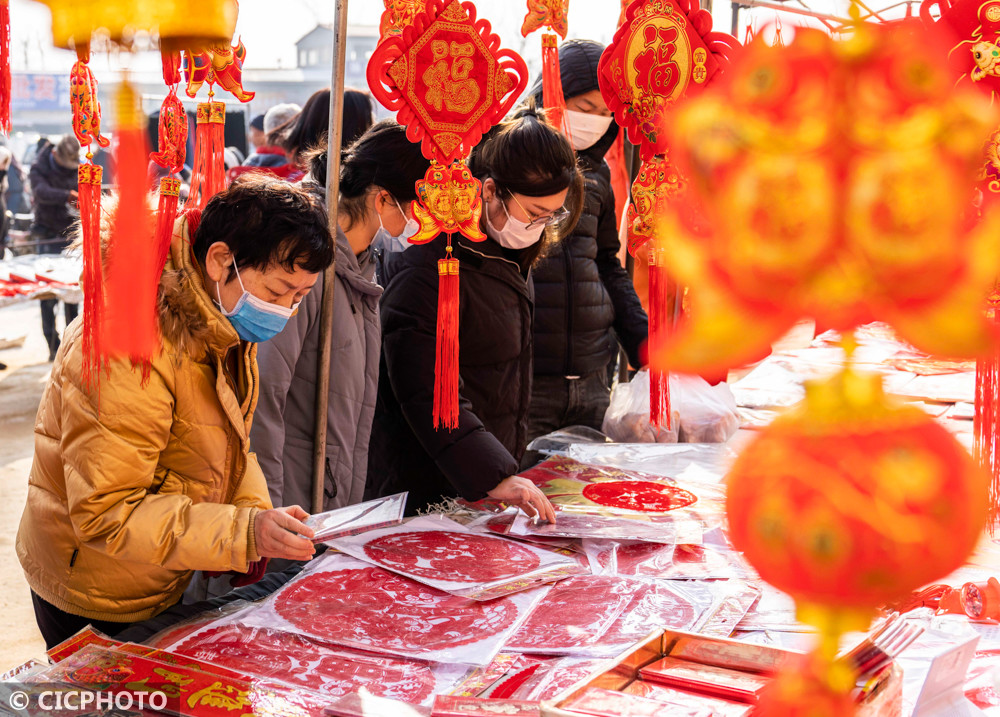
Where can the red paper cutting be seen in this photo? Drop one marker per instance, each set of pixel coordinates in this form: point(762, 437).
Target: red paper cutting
point(369, 607)
point(575, 613)
point(442, 555)
point(299, 661)
point(644, 496)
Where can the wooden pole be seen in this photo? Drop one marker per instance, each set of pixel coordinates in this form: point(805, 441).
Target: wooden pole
point(329, 278)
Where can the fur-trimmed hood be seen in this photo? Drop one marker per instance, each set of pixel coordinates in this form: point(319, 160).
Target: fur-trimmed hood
point(190, 321)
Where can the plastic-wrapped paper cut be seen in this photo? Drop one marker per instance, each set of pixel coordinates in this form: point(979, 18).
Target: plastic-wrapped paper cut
point(362, 704)
point(734, 600)
point(354, 519)
point(655, 605)
point(445, 555)
point(716, 706)
point(301, 662)
point(707, 679)
point(342, 601)
point(612, 557)
point(600, 616)
point(451, 706)
point(501, 524)
point(604, 502)
point(178, 632)
point(707, 562)
point(72, 645)
point(598, 702)
point(189, 690)
point(554, 675)
point(478, 680)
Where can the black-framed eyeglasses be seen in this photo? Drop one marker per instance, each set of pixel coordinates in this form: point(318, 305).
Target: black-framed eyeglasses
point(545, 220)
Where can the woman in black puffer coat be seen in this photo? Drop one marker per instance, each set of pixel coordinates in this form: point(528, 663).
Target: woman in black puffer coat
point(530, 181)
point(585, 303)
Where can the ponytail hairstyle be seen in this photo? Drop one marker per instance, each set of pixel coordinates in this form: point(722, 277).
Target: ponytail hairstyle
point(382, 158)
point(526, 155)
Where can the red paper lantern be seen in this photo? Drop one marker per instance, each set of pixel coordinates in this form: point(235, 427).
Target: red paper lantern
point(850, 501)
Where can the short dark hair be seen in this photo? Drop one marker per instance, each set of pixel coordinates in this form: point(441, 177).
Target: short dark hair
point(382, 157)
point(308, 129)
point(265, 222)
point(257, 123)
point(526, 155)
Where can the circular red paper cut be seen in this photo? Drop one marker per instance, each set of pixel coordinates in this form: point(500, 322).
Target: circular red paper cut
point(457, 557)
point(646, 496)
point(376, 610)
point(278, 655)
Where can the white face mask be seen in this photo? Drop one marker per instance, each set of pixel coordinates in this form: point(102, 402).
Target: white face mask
point(515, 234)
point(390, 244)
point(586, 128)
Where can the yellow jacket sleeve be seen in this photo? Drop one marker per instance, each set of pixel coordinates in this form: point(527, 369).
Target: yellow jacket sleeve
point(109, 460)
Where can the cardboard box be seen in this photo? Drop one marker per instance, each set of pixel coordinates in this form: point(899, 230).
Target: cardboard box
point(882, 700)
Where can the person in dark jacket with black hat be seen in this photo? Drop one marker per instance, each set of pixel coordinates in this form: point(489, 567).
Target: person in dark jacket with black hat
point(53, 179)
point(585, 302)
point(529, 182)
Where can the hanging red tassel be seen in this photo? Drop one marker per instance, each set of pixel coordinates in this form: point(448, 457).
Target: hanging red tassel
point(446, 362)
point(659, 324)
point(750, 35)
point(89, 201)
point(552, 91)
point(986, 424)
point(131, 329)
point(209, 175)
point(5, 124)
point(166, 214)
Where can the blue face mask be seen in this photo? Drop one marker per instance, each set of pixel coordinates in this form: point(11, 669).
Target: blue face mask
point(255, 319)
point(390, 244)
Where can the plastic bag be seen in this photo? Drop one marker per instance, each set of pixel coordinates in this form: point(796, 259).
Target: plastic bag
point(448, 556)
point(700, 412)
point(627, 417)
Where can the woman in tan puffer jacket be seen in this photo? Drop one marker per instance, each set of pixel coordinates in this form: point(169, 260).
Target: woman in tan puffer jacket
point(135, 486)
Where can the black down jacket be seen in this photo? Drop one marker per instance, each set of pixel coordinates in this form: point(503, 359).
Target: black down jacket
point(584, 298)
point(406, 452)
point(51, 184)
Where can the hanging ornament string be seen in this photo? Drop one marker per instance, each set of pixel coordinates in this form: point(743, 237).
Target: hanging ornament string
point(986, 424)
point(445, 74)
point(87, 128)
point(5, 83)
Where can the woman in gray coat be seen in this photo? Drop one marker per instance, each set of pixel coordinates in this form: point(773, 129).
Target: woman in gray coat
point(377, 178)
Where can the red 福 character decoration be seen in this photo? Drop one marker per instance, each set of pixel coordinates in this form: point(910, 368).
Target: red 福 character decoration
point(449, 80)
point(664, 50)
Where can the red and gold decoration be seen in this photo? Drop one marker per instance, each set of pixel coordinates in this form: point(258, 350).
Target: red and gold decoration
point(449, 80)
point(851, 501)
point(87, 128)
point(663, 51)
point(397, 15)
point(553, 15)
point(208, 177)
point(220, 64)
point(847, 216)
point(974, 59)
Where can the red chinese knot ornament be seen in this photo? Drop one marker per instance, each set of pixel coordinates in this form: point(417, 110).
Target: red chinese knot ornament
point(664, 50)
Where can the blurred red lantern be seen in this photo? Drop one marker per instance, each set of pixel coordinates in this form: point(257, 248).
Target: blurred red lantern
point(850, 501)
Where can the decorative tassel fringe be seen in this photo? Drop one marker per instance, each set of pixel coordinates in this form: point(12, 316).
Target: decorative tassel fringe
point(5, 84)
point(446, 363)
point(986, 425)
point(89, 190)
point(166, 215)
point(552, 91)
point(132, 277)
point(209, 175)
point(659, 324)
